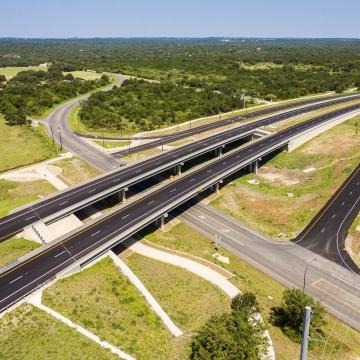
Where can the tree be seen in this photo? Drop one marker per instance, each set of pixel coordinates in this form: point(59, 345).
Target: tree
point(233, 336)
point(69, 77)
point(290, 315)
point(15, 118)
point(2, 78)
point(55, 73)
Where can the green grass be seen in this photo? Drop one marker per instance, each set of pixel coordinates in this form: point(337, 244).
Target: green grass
point(75, 170)
point(112, 144)
point(248, 278)
point(10, 72)
point(14, 194)
point(102, 300)
point(188, 299)
point(23, 145)
point(13, 248)
point(85, 75)
point(28, 333)
point(266, 206)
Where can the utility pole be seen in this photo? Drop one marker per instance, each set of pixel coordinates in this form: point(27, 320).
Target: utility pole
point(61, 147)
point(305, 338)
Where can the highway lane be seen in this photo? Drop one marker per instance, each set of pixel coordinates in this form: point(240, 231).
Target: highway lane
point(128, 175)
point(57, 127)
point(325, 234)
point(199, 129)
point(336, 287)
point(119, 224)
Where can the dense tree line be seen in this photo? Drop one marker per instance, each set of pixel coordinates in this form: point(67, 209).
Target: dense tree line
point(30, 93)
point(141, 105)
point(272, 69)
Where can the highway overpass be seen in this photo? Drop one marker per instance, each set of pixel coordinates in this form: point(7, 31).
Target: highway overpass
point(119, 180)
point(79, 247)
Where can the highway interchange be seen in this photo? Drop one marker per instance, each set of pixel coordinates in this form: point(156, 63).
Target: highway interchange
point(82, 195)
point(124, 221)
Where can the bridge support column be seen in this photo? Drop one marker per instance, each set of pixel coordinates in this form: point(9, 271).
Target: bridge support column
point(216, 187)
point(122, 195)
point(177, 169)
point(161, 221)
point(255, 166)
point(219, 151)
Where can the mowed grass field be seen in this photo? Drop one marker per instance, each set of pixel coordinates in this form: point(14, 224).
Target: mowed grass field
point(10, 72)
point(188, 299)
point(103, 301)
point(28, 333)
point(342, 341)
point(267, 206)
point(23, 145)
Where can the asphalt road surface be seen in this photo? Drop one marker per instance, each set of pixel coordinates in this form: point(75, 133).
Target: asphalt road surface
point(325, 234)
point(15, 222)
point(57, 127)
point(335, 286)
point(26, 276)
point(199, 129)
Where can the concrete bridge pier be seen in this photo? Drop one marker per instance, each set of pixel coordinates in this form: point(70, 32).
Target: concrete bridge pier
point(122, 195)
point(161, 221)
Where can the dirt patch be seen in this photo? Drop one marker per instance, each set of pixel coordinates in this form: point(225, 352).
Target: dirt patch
point(281, 176)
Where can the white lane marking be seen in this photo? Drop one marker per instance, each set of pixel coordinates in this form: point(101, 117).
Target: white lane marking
point(63, 203)
point(124, 217)
point(323, 230)
point(92, 190)
point(350, 192)
point(172, 190)
point(117, 180)
point(150, 202)
point(31, 282)
point(16, 279)
point(346, 282)
point(191, 180)
point(95, 233)
point(333, 216)
point(60, 254)
point(342, 204)
point(31, 217)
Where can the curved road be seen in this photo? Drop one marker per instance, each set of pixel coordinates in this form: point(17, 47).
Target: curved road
point(57, 127)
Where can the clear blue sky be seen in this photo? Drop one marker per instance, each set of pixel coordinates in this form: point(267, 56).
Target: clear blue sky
point(182, 18)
